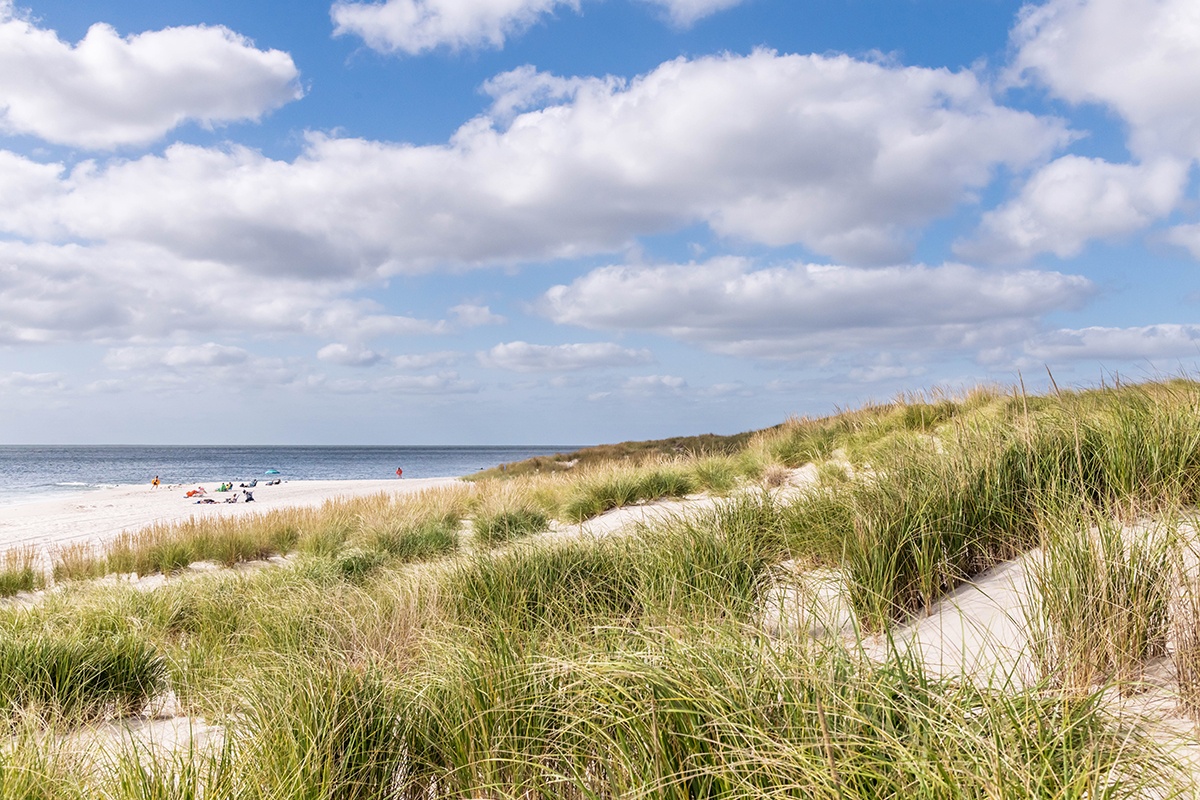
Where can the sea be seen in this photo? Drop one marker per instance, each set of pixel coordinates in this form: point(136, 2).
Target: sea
point(29, 473)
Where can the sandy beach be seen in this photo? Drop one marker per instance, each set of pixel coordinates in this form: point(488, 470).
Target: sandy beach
point(100, 515)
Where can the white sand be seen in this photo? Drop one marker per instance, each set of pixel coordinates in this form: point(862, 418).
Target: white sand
point(100, 515)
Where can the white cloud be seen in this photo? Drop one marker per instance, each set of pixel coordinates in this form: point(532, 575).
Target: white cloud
point(417, 26)
point(1186, 236)
point(687, 12)
point(181, 357)
point(844, 156)
point(1149, 342)
point(122, 292)
point(29, 383)
point(348, 355)
point(1073, 200)
point(425, 360)
point(654, 384)
point(525, 357)
point(196, 368)
point(470, 315)
point(442, 383)
point(810, 311)
point(106, 91)
point(1138, 57)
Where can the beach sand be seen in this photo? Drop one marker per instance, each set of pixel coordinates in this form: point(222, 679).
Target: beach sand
point(100, 515)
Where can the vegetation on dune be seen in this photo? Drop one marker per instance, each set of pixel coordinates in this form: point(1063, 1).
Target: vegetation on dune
point(437, 647)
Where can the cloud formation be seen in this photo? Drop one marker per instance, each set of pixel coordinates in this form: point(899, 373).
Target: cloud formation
point(1141, 59)
point(106, 91)
point(418, 26)
point(687, 12)
point(1147, 342)
point(525, 357)
point(119, 292)
point(808, 311)
point(1073, 200)
point(847, 157)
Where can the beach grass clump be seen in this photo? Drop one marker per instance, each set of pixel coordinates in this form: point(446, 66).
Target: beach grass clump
point(1185, 616)
point(78, 561)
point(506, 512)
point(709, 565)
point(20, 571)
point(707, 713)
point(160, 548)
point(570, 585)
point(413, 528)
point(718, 475)
point(927, 521)
point(595, 492)
point(1101, 604)
point(319, 731)
point(73, 677)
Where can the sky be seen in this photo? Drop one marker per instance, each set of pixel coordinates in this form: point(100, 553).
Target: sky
point(580, 221)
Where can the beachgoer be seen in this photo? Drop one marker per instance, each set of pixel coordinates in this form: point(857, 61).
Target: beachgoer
point(399, 472)
point(249, 496)
point(154, 482)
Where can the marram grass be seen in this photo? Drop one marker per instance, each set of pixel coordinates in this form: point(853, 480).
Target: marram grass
point(386, 659)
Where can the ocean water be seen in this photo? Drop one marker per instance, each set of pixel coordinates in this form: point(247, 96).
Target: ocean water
point(33, 472)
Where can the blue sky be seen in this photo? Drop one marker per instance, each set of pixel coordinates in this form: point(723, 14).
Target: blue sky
point(574, 221)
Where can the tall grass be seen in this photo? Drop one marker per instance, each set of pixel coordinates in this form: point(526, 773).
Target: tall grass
point(414, 528)
point(506, 513)
point(74, 677)
point(707, 714)
point(20, 571)
point(595, 492)
point(634, 665)
point(1101, 601)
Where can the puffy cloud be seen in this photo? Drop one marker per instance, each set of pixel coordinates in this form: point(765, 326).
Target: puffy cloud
point(686, 12)
point(181, 357)
point(106, 91)
point(1075, 199)
point(196, 367)
point(72, 292)
point(525, 357)
point(1186, 236)
point(1149, 342)
point(425, 360)
point(810, 311)
point(29, 383)
point(349, 356)
point(417, 26)
point(1141, 59)
point(845, 156)
point(470, 315)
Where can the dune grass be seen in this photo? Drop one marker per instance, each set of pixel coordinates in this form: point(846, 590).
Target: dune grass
point(384, 661)
point(75, 677)
point(1102, 597)
point(20, 571)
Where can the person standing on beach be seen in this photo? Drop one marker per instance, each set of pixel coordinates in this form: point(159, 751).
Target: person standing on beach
point(399, 472)
point(154, 483)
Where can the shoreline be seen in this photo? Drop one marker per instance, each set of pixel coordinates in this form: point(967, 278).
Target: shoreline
point(99, 515)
